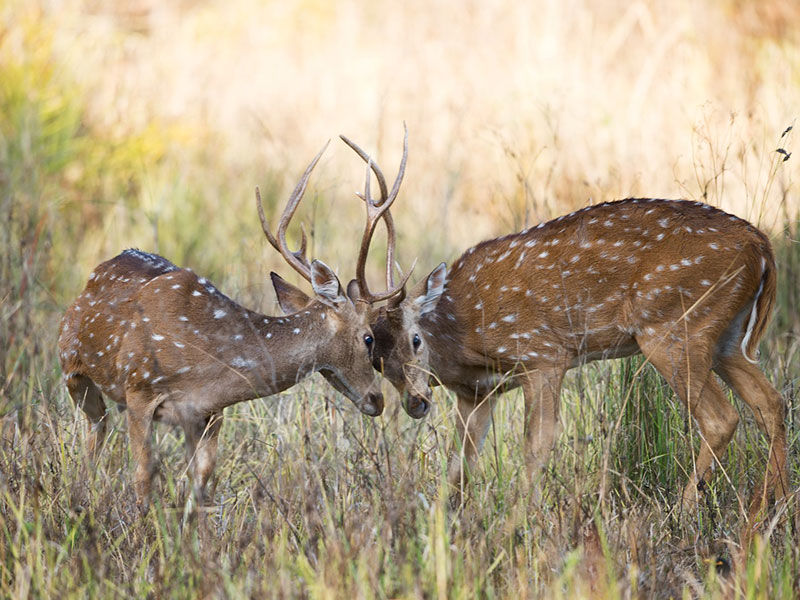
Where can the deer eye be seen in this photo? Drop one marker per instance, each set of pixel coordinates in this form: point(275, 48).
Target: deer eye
point(416, 341)
point(368, 341)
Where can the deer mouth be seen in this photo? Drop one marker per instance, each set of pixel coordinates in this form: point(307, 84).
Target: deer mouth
point(416, 406)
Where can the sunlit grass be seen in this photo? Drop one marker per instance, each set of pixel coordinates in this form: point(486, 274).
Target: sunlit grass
point(312, 499)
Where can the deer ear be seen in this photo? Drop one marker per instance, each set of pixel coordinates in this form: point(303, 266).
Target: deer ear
point(290, 298)
point(326, 285)
point(426, 294)
point(352, 291)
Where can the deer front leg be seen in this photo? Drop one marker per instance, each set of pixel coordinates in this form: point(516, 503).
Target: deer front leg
point(541, 390)
point(202, 437)
point(140, 425)
point(472, 423)
point(87, 397)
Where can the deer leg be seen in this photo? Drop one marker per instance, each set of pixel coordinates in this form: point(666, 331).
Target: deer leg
point(542, 391)
point(717, 420)
point(140, 426)
point(88, 398)
point(687, 370)
point(472, 424)
point(202, 437)
point(768, 407)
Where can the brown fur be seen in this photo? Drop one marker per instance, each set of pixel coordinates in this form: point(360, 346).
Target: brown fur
point(169, 346)
point(675, 280)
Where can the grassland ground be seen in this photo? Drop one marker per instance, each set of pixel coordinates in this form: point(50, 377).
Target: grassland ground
point(314, 500)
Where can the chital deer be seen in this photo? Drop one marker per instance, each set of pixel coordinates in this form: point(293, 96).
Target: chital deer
point(686, 284)
point(168, 345)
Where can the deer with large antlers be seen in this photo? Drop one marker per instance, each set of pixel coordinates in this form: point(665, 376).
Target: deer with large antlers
point(165, 343)
point(687, 285)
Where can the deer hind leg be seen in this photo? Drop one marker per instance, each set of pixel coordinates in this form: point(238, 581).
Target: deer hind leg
point(202, 437)
point(472, 424)
point(86, 396)
point(542, 390)
point(768, 407)
point(687, 370)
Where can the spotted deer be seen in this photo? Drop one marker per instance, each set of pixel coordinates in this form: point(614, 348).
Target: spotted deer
point(686, 284)
point(168, 345)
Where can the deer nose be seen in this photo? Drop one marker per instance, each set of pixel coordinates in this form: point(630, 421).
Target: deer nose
point(372, 405)
point(417, 406)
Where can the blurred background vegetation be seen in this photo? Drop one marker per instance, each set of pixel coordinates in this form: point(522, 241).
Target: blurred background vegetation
point(148, 124)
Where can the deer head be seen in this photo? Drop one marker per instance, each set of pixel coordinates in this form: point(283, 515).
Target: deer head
point(347, 317)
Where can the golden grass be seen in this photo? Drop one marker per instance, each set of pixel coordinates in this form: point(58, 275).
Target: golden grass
point(517, 111)
point(144, 123)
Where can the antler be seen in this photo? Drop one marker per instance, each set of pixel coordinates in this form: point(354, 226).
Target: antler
point(297, 259)
point(376, 211)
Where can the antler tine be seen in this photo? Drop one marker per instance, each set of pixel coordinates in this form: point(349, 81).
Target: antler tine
point(297, 259)
point(375, 168)
point(376, 211)
point(366, 239)
point(389, 221)
point(390, 242)
point(386, 198)
point(402, 170)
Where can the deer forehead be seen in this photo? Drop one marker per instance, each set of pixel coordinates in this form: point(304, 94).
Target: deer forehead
point(343, 318)
point(405, 320)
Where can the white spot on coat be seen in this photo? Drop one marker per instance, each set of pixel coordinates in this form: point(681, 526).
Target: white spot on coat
point(242, 363)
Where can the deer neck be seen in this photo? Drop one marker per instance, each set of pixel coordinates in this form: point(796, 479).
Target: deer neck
point(277, 353)
point(248, 356)
point(444, 333)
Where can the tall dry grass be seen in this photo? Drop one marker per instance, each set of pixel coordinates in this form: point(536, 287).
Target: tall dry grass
point(516, 110)
point(148, 124)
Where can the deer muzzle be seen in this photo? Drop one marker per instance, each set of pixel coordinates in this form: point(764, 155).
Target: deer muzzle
point(416, 406)
point(371, 404)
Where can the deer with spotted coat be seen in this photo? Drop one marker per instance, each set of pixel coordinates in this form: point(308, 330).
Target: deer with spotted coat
point(165, 343)
point(686, 284)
